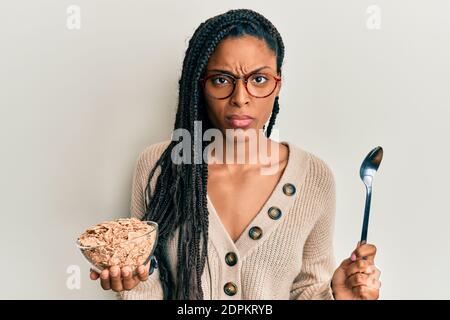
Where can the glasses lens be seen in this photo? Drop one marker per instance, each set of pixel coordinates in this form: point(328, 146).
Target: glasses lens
point(219, 86)
point(261, 85)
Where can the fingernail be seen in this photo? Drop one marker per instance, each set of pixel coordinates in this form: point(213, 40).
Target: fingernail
point(125, 273)
point(353, 257)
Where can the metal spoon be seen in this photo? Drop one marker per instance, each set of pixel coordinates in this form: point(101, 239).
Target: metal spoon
point(366, 172)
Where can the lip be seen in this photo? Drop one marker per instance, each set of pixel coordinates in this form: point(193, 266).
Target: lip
point(241, 122)
point(239, 117)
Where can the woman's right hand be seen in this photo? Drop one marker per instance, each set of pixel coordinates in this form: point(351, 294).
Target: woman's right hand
point(119, 279)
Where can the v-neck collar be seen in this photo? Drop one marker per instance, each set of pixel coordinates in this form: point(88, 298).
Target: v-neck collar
point(294, 173)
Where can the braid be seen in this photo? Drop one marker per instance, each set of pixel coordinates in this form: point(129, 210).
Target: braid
point(275, 110)
point(179, 199)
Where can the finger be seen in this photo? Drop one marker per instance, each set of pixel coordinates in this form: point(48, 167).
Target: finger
point(142, 272)
point(373, 282)
point(366, 293)
point(356, 279)
point(116, 279)
point(127, 278)
point(94, 275)
point(374, 271)
point(104, 280)
point(363, 266)
point(346, 263)
point(365, 251)
point(363, 279)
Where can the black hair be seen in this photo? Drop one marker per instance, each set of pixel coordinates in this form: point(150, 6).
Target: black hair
point(179, 199)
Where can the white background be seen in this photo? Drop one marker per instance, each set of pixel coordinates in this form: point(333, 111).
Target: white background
point(78, 106)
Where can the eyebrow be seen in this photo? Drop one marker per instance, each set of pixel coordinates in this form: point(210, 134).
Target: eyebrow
point(232, 74)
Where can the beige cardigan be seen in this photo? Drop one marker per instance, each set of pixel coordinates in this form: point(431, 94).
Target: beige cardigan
point(293, 259)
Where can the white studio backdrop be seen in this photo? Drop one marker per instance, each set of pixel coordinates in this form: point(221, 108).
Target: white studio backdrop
point(77, 106)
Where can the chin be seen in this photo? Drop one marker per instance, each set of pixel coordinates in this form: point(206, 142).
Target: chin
point(242, 133)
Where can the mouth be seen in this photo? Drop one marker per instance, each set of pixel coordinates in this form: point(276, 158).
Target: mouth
point(239, 122)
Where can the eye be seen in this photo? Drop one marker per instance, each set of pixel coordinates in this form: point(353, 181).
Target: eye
point(259, 79)
point(220, 80)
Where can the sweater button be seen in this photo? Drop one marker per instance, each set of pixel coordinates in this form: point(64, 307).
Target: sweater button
point(274, 213)
point(255, 233)
point(230, 288)
point(231, 259)
point(289, 189)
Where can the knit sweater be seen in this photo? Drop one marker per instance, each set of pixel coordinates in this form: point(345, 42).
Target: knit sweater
point(291, 257)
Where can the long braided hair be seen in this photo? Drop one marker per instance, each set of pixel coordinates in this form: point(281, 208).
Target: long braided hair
point(179, 199)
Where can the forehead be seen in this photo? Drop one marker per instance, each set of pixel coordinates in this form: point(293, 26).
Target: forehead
point(244, 52)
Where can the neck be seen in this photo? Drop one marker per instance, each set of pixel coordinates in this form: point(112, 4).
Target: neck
point(245, 148)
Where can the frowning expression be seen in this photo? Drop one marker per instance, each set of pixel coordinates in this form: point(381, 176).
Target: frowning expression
point(231, 107)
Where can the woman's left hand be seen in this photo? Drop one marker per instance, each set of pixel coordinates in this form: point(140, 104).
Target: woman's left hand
point(357, 278)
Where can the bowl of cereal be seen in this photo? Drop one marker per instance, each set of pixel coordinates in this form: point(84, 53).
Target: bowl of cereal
point(122, 242)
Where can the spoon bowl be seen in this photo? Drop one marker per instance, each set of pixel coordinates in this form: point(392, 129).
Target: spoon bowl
point(370, 164)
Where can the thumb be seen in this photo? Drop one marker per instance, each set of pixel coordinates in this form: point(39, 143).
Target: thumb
point(353, 255)
point(346, 263)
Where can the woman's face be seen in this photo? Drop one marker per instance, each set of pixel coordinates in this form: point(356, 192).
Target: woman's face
point(241, 56)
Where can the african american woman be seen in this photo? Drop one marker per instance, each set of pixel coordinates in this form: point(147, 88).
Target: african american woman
point(232, 230)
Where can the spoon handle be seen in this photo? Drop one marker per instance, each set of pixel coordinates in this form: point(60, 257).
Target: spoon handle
point(366, 215)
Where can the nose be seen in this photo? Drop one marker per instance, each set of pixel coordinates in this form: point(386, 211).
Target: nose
point(240, 96)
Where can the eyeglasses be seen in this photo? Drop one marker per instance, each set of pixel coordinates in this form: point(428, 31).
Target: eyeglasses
point(258, 85)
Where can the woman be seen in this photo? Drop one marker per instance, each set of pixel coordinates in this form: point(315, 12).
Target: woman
point(228, 231)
